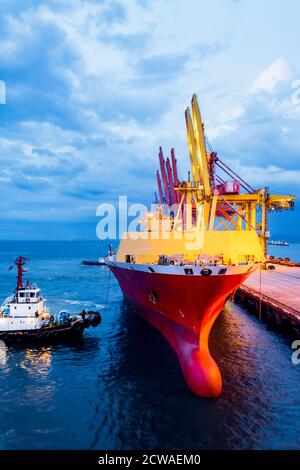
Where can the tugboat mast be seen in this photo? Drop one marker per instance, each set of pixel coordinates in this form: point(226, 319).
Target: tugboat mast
point(20, 261)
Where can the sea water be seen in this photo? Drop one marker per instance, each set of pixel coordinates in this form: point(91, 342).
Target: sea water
point(121, 387)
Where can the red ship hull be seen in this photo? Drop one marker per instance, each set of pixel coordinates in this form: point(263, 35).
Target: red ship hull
point(184, 308)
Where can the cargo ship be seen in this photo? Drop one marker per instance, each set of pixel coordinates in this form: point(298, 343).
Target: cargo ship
point(196, 247)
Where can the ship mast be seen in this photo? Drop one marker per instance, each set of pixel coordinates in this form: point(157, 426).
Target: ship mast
point(20, 261)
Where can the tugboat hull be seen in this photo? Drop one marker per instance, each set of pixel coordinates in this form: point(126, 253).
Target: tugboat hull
point(73, 330)
point(41, 335)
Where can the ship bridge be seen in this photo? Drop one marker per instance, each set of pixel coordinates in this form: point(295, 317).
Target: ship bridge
point(29, 295)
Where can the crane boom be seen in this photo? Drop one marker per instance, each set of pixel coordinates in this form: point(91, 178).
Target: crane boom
point(164, 176)
point(174, 165)
point(161, 196)
point(201, 154)
point(171, 181)
point(175, 175)
point(192, 147)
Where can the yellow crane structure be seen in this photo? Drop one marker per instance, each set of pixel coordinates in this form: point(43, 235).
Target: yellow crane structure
point(226, 209)
point(214, 212)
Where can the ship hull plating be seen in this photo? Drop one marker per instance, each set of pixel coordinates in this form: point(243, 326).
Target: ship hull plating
point(183, 308)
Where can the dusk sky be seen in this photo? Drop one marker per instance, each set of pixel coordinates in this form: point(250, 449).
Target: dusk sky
point(95, 87)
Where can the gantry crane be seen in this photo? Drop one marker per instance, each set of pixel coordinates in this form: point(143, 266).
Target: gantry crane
point(220, 202)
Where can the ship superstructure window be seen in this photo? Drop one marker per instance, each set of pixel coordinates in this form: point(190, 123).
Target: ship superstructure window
point(22, 294)
point(32, 294)
point(188, 271)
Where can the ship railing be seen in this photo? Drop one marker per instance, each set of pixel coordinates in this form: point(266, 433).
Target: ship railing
point(198, 260)
point(176, 260)
point(8, 300)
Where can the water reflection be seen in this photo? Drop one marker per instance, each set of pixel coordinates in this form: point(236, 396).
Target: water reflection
point(3, 353)
point(37, 361)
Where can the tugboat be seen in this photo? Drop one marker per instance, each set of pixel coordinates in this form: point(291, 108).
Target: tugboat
point(24, 315)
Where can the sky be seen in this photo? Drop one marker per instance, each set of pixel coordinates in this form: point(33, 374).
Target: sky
point(94, 87)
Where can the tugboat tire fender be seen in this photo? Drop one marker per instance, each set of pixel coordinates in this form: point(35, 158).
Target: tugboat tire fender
point(95, 322)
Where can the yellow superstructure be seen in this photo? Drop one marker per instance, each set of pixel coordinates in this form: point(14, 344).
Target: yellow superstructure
point(233, 247)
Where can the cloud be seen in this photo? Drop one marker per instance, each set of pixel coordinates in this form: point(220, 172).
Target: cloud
point(269, 78)
point(94, 87)
point(271, 175)
point(161, 67)
point(226, 122)
point(131, 42)
point(259, 139)
point(113, 11)
point(30, 183)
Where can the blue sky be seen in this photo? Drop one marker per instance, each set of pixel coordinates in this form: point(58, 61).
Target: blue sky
point(94, 87)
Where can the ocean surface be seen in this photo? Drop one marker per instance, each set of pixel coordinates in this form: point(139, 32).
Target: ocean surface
point(121, 387)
